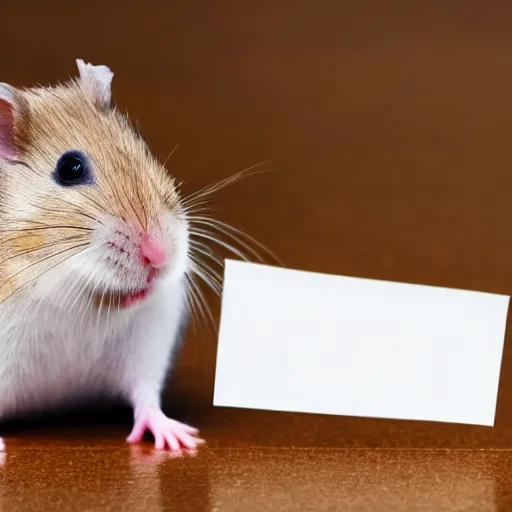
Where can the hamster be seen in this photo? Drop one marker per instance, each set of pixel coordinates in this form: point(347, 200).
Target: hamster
point(95, 255)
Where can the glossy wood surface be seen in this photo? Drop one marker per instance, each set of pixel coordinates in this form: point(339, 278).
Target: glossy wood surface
point(394, 119)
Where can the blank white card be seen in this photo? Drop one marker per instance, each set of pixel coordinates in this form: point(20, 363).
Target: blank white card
point(300, 341)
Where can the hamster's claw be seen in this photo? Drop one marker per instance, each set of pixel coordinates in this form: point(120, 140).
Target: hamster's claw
point(166, 431)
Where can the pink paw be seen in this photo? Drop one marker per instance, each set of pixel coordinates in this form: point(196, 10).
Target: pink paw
point(167, 432)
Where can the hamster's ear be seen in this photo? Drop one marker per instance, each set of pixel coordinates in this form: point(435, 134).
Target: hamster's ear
point(8, 105)
point(96, 82)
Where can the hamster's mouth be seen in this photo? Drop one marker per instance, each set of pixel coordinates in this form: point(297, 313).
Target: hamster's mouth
point(118, 300)
point(127, 300)
point(122, 300)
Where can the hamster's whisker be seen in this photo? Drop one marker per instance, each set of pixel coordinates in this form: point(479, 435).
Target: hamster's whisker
point(225, 228)
point(205, 273)
point(81, 297)
point(111, 299)
point(204, 309)
point(226, 245)
point(188, 295)
point(142, 202)
point(230, 180)
point(42, 247)
point(212, 273)
point(108, 313)
point(85, 286)
point(84, 193)
point(47, 227)
point(78, 212)
point(76, 248)
point(170, 155)
point(121, 194)
point(192, 300)
point(192, 211)
point(14, 239)
point(82, 290)
point(97, 282)
point(131, 203)
point(112, 185)
point(100, 209)
point(71, 289)
point(233, 234)
point(193, 206)
point(46, 258)
point(206, 251)
point(100, 306)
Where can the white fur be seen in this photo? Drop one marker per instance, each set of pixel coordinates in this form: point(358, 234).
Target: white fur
point(49, 356)
point(55, 347)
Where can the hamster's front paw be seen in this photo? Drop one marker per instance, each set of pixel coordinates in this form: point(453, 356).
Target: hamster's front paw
point(166, 431)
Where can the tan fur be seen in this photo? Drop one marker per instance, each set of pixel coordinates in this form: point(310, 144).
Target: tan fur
point(28, 242)
point(130, 183)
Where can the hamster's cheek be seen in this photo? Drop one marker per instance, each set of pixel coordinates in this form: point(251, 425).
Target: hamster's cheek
point(44, 288)
point(97, 272)
point(64, 278)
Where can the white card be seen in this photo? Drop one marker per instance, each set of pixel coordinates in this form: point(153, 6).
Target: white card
point(300, 341)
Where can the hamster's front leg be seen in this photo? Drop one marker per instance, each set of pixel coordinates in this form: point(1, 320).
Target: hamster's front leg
point(167, 432)
point(152, 346)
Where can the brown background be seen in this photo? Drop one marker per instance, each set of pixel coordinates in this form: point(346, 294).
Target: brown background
point(395, 119)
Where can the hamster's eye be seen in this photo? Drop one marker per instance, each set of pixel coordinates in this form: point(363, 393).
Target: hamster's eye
point(72, 169)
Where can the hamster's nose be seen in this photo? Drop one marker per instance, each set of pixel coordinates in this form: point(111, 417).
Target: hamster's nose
point(152, 251)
